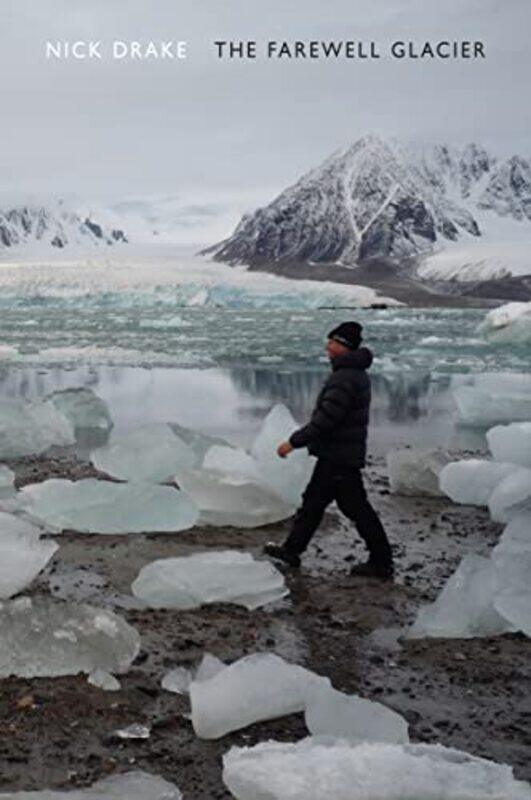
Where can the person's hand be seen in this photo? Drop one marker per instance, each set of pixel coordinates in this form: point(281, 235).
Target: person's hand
point(284, 449)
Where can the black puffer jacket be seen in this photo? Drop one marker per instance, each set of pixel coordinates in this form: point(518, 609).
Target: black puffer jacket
point(337, 430)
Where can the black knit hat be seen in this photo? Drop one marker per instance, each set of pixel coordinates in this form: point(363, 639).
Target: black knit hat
point(348, 333)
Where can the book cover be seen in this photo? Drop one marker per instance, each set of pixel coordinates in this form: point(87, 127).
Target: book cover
point(265, 405)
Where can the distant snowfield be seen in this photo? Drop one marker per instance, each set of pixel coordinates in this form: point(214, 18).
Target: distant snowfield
point(169, 275)
point(503, 249)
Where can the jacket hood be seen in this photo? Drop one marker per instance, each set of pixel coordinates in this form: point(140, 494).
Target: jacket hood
point(357, 359)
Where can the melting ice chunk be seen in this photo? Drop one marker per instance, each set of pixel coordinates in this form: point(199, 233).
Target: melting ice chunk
point(104, 680)
point(465, 607)
point(512, 561)
point(134, 731)
point(22, 554)
point(7, 481)
point(231, 461)
point(214, 577)
point(258, 687)
point(511, 496)
point(416, 472)
point(149, 453)
point(314, 770)
point(509, 323)
point(83, 408)
point(129, 786)
point(517, 535)
point(286, 476)
point(511, 443)
point(472, 482)
point(31, 428)
point(332, 713)
point(198, 441)
point(229, 500)
point(46, 638)
point(177, 680)
point(97, 506)
point(491, 398)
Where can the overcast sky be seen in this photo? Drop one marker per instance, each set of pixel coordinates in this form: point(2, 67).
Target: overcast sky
point(208, 129)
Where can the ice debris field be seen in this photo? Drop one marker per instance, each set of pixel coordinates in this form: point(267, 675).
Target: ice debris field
point(167, 478)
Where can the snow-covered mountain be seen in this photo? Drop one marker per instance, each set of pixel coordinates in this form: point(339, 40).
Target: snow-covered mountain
point(386, 199)
point(53, 226)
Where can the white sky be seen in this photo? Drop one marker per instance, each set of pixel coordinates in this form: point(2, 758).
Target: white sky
point(210, 130)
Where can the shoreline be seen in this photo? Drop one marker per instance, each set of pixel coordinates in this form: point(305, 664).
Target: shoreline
point(450, 691)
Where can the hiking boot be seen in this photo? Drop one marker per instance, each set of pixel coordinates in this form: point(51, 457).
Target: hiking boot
point(372, 569)
point(280, 553)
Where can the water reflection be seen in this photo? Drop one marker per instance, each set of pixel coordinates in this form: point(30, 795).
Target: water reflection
point(409, 408)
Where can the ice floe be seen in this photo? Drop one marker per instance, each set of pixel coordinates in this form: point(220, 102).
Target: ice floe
point(30, 428)
point(224, 576)
point(313, 770)
point(257, 687)
point(148, 453)
point(46, 638)
point(129, 786)
point(416, 471)
point(97, 506)
point(23, 554)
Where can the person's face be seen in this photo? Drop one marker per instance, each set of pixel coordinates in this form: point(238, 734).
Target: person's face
point(335, 349)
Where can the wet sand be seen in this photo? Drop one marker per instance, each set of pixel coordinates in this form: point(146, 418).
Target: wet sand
point(471, 694)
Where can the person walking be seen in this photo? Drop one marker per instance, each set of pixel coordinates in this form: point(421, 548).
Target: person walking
point(337, 435)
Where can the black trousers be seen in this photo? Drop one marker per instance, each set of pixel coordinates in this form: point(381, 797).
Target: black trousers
point(343, 484)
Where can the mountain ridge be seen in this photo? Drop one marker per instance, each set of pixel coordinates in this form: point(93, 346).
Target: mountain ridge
point(384, 199)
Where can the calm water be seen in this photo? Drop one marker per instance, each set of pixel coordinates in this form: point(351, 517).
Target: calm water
point(233, 402)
